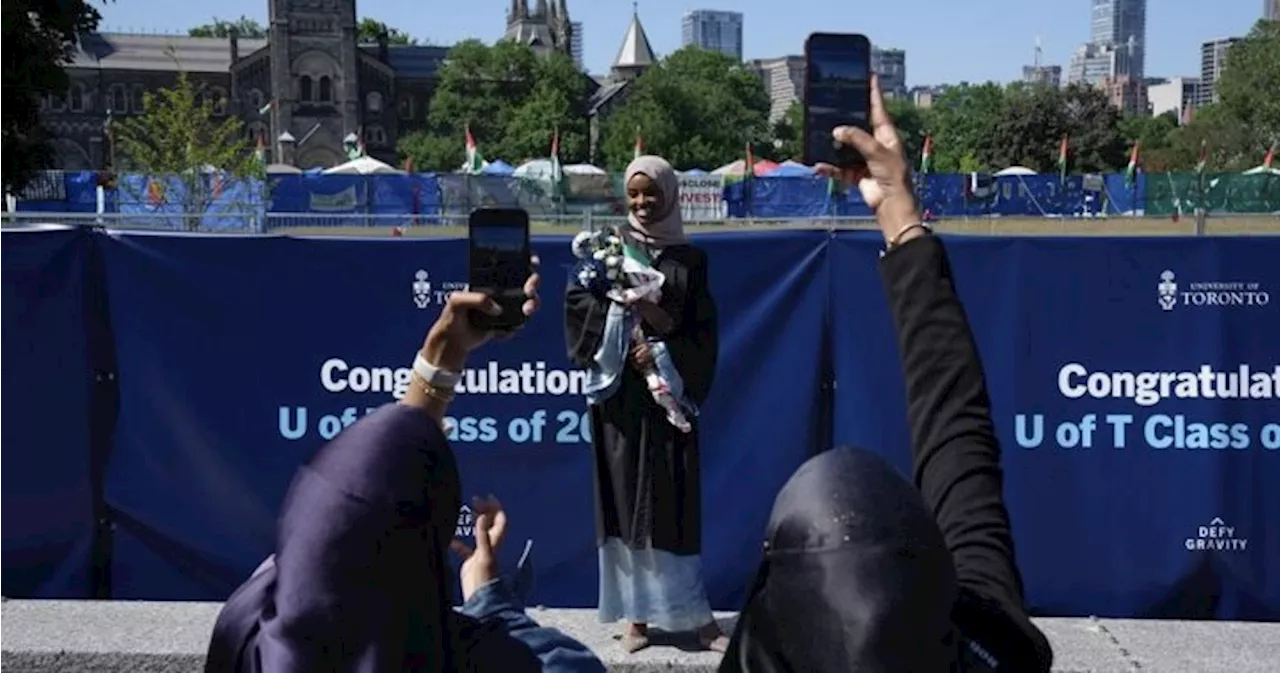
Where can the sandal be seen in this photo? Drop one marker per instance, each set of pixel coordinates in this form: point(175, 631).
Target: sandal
point(632, 643)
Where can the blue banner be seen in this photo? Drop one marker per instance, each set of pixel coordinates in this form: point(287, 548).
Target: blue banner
point(1140, 472)
point(48, 489)
point(1133, 385)
point(245, 355)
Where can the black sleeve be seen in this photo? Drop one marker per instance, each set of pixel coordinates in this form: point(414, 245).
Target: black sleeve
point(584, 317)
point(694, 341)
point(956, 457)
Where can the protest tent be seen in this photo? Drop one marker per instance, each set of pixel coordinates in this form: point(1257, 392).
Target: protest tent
point(365, 165)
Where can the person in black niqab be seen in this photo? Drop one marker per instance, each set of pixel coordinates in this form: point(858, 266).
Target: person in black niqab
point(865, 572)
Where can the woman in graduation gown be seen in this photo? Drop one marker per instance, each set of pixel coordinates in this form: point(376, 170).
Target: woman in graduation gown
point(358, 582)
point(648, 493)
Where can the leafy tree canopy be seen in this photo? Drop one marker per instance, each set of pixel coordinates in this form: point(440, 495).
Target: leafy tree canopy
point(39, 40)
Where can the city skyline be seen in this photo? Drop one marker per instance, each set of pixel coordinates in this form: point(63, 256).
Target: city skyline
point(1175, 29)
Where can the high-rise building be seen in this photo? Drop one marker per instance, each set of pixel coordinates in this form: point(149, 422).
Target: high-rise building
point(1213, 60)
point(1271, 10)
point(575, 43)
point(891, 66)
point(784, 81)
point(714, 31)
point(1179, 95)
point(1122, 24)
point(1048, 75)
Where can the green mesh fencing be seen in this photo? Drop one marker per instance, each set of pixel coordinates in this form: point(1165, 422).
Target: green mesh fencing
point(1168, 193)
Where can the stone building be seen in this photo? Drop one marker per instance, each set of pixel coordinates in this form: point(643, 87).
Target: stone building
point(544, 28)
point(307, 89)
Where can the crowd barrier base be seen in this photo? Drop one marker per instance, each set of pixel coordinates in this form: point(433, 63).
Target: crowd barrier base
point(131, 636)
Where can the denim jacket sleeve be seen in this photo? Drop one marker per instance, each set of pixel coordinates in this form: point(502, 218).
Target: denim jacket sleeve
point(495, 605)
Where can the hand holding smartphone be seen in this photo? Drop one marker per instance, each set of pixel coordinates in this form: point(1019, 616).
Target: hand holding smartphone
point(837, 92)
point(500, 254)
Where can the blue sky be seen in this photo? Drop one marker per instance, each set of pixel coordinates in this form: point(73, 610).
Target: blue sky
point(946, 41)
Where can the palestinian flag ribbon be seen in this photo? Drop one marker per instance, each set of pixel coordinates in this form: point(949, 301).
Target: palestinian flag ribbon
point(475, 161)
point(1062, 160)
point(1131, 172)
point(639, 148)
point(926, 154)
point(1203, 163)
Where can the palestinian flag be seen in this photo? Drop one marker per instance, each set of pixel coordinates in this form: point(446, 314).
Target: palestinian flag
point(1270, 158)
point(926, 154)
point(266, 109)
point(749, 167)
point(1203, 163)
point(639, 148)
point(1062, 161)
point(557, 171)
point(1131, 172)
point(475, 161)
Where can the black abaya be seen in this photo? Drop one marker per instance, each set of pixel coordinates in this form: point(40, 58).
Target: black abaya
point(647, 484)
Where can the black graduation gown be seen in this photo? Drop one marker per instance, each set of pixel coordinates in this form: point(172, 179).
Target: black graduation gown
point(647, 471)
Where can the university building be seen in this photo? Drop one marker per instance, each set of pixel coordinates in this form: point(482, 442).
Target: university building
point(306, 90)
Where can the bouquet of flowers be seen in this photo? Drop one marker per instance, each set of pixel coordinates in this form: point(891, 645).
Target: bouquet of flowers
point(625, 275)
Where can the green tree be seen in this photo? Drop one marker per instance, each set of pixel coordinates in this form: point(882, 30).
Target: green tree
point(1093, 127)
point(178, 138)
point(962, 119)
point(1249, 87)
point(244, 26)
point(788, 141)
point(1230, 145)
point(512, 100)
point(369, 30)
point(1027, 130)
point(39, 38)
point(913, 124)
point(697, 108)
point(1156, 135)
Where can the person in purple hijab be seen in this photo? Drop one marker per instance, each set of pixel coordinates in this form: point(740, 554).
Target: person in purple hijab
point(359, 581)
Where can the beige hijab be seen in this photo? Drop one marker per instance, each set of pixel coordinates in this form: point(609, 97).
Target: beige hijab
point(666, 226)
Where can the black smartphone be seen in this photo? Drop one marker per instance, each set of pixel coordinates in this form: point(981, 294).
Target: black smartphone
point(500, 262)
point(837, 92)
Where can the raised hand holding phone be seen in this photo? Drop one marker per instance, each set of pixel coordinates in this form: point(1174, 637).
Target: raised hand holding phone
point(499, 251)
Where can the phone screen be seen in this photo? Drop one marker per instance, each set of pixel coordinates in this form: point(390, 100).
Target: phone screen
point(499, 252)
point(837, 93)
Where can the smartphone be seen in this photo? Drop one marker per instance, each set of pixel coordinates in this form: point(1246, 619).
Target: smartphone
point(837, 92)
point(500, 262)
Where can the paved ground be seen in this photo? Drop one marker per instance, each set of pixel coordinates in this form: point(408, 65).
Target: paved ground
point(1042, 226)
point(133, 637)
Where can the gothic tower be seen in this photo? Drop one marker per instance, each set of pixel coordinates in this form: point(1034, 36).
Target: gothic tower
point(544, 28)
point(314, 77)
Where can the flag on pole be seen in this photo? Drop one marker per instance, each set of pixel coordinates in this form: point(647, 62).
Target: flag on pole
point(1203, 163)
point(266, 109)
point(1131, 172)
point(260, 152)
point(926, 154)
point(1062, 161)
point(357, 150)
point(474, 161)
point(639, 148)
point(557, 171)
point(107, 126)
point(1271, 156)
point(749, 168)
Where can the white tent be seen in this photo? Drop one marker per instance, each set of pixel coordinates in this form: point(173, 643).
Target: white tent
point(365, 165)
point(1259, 170)
point(540, 169)
point(584, 169)
point(1015, 170)
point(283, 169)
